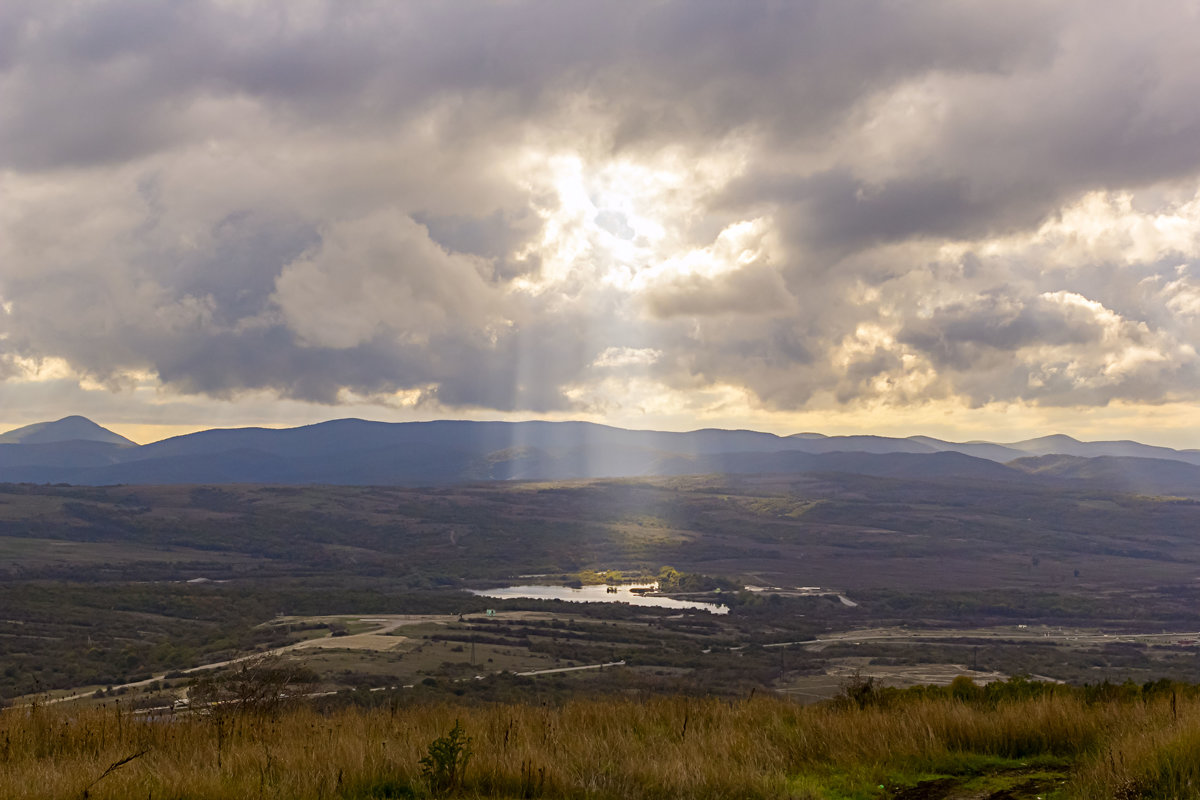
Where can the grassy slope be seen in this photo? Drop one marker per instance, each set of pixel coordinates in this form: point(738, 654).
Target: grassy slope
point(1051, 744)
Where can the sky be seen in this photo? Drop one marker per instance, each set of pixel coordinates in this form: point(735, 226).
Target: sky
point(967, 220)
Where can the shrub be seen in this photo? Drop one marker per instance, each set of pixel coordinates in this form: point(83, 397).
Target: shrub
point(445, 765)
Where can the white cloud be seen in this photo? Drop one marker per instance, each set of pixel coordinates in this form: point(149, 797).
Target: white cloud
point(627, 357)
point(382, 276)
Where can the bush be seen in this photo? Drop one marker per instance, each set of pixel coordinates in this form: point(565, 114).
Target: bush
point(445, 765)
point(263, 685)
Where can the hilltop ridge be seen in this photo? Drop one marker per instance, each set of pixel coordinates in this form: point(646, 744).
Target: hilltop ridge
point(443, 452)
point(68, 429)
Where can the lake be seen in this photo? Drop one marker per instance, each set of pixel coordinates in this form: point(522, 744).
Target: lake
point(597, 594)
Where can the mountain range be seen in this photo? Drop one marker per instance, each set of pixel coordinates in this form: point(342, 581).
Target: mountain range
point(75, 450)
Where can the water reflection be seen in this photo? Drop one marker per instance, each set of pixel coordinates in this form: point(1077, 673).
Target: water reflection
point(598, 594)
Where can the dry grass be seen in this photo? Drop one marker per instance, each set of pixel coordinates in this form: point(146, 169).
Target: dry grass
point(1154, 754)
point(658, 748)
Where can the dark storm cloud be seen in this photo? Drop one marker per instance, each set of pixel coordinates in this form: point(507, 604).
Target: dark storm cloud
point(1105, 107)
point(496, 236)
point(459, 372)
point(956, 335)
point(753, 290)
point(238, 268)
point(316, 197)
point(101, 81)
point(834, 212)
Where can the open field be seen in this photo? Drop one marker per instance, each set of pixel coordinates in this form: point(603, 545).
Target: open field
point(475, 655)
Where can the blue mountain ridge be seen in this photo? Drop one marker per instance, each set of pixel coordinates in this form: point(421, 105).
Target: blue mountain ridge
point(360, 452)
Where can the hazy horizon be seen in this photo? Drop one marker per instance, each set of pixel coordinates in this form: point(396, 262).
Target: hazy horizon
point(149, 434)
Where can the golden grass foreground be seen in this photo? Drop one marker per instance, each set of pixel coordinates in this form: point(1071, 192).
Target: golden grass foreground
point(664, 747)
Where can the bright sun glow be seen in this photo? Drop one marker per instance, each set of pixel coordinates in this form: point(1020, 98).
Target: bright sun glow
point(615, 222)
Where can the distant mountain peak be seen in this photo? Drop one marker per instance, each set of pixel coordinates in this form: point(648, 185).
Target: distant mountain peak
point(1054, 438)
point(68, 429)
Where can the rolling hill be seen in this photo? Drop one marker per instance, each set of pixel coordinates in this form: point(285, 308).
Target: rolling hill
point(67, 429)
point(75, 450)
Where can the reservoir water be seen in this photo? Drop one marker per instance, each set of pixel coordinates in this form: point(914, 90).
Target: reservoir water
point(597, 594)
